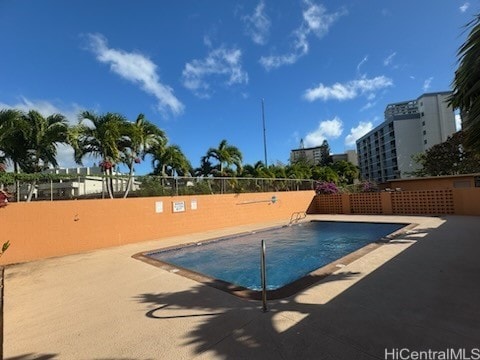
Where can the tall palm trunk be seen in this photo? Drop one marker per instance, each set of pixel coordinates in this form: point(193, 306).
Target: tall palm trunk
point(31, 190)
point(164, 174)
point(109, 182)
point(17, 183)
point(222, 185)
point(130, 180)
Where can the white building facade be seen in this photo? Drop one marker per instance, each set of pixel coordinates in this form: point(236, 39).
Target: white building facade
point(83, 181)
point(314, 155)
point(410, 127)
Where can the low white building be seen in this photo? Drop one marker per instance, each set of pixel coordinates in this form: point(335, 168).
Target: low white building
point(84, 181)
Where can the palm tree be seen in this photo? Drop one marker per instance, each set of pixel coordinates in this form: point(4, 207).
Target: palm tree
point(299, 170)
point(248, 171)
point(466, 85)
point(13, 132)
point(325, 173)
point(170, 161)
point(41, 142)
point(142, 137)
point(278, 171)
point(347, 172)
point(102, 136)
point(226, 155)
point(206, 168)
point(42, 139)
point(259, 171)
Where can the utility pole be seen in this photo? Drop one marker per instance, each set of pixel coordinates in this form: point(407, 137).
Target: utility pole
point(264, 134)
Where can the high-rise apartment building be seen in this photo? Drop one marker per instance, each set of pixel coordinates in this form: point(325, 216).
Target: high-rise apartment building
point(410, 127)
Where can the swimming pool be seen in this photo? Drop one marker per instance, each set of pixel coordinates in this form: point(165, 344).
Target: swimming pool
point(294, 253)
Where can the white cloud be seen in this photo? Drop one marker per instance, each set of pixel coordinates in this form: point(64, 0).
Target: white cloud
point(389, 59)
point(464, 7)
point(357, 132)
point(207, 41)
point(349, 90)
point(219, 62)
point(326, 129)
point(138, 69)
point(45, 108)
point(336, 91)
point(427, 84)
point(316, 20)
point(368, 105)
point(273, 62)
point(364, 60)
point(258, 24)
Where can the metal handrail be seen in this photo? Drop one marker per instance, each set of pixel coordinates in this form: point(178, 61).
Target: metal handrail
point(299, 215)
point(264, 278)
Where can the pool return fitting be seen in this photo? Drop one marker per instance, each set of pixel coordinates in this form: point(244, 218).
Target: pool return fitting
point(264, 278)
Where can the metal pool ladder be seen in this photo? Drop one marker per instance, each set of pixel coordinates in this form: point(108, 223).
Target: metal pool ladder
point(297, 216)
point(264, 278)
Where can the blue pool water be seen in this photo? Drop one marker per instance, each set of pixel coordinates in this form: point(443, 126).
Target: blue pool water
point(292, 252)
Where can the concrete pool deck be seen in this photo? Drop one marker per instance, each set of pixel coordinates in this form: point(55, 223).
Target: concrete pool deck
point(418, 292)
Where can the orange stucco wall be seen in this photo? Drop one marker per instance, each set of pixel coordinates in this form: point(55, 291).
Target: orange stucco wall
point(422, 202)
point(44, 229)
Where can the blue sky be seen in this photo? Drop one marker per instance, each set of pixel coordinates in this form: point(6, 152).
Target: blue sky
point(199, 69)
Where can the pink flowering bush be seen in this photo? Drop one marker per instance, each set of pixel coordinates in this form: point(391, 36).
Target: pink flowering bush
point(4, 196)
point(369, 186)
point(324, 187)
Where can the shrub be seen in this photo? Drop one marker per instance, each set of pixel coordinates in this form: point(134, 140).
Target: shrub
point(324, 187)
point(369, 186)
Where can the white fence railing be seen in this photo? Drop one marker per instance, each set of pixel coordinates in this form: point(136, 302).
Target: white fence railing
point(87, 187)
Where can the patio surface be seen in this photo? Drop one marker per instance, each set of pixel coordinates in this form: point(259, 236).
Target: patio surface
point(418, 292)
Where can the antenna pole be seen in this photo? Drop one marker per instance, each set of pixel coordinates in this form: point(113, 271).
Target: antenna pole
point(264, 134)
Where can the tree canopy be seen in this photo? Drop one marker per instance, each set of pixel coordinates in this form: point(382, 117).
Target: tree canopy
point(102, 136)
point(28, 144)
point(170, 161)
point(226, 155)
point(448, 158)
point(466, 85)
point(325, 157)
